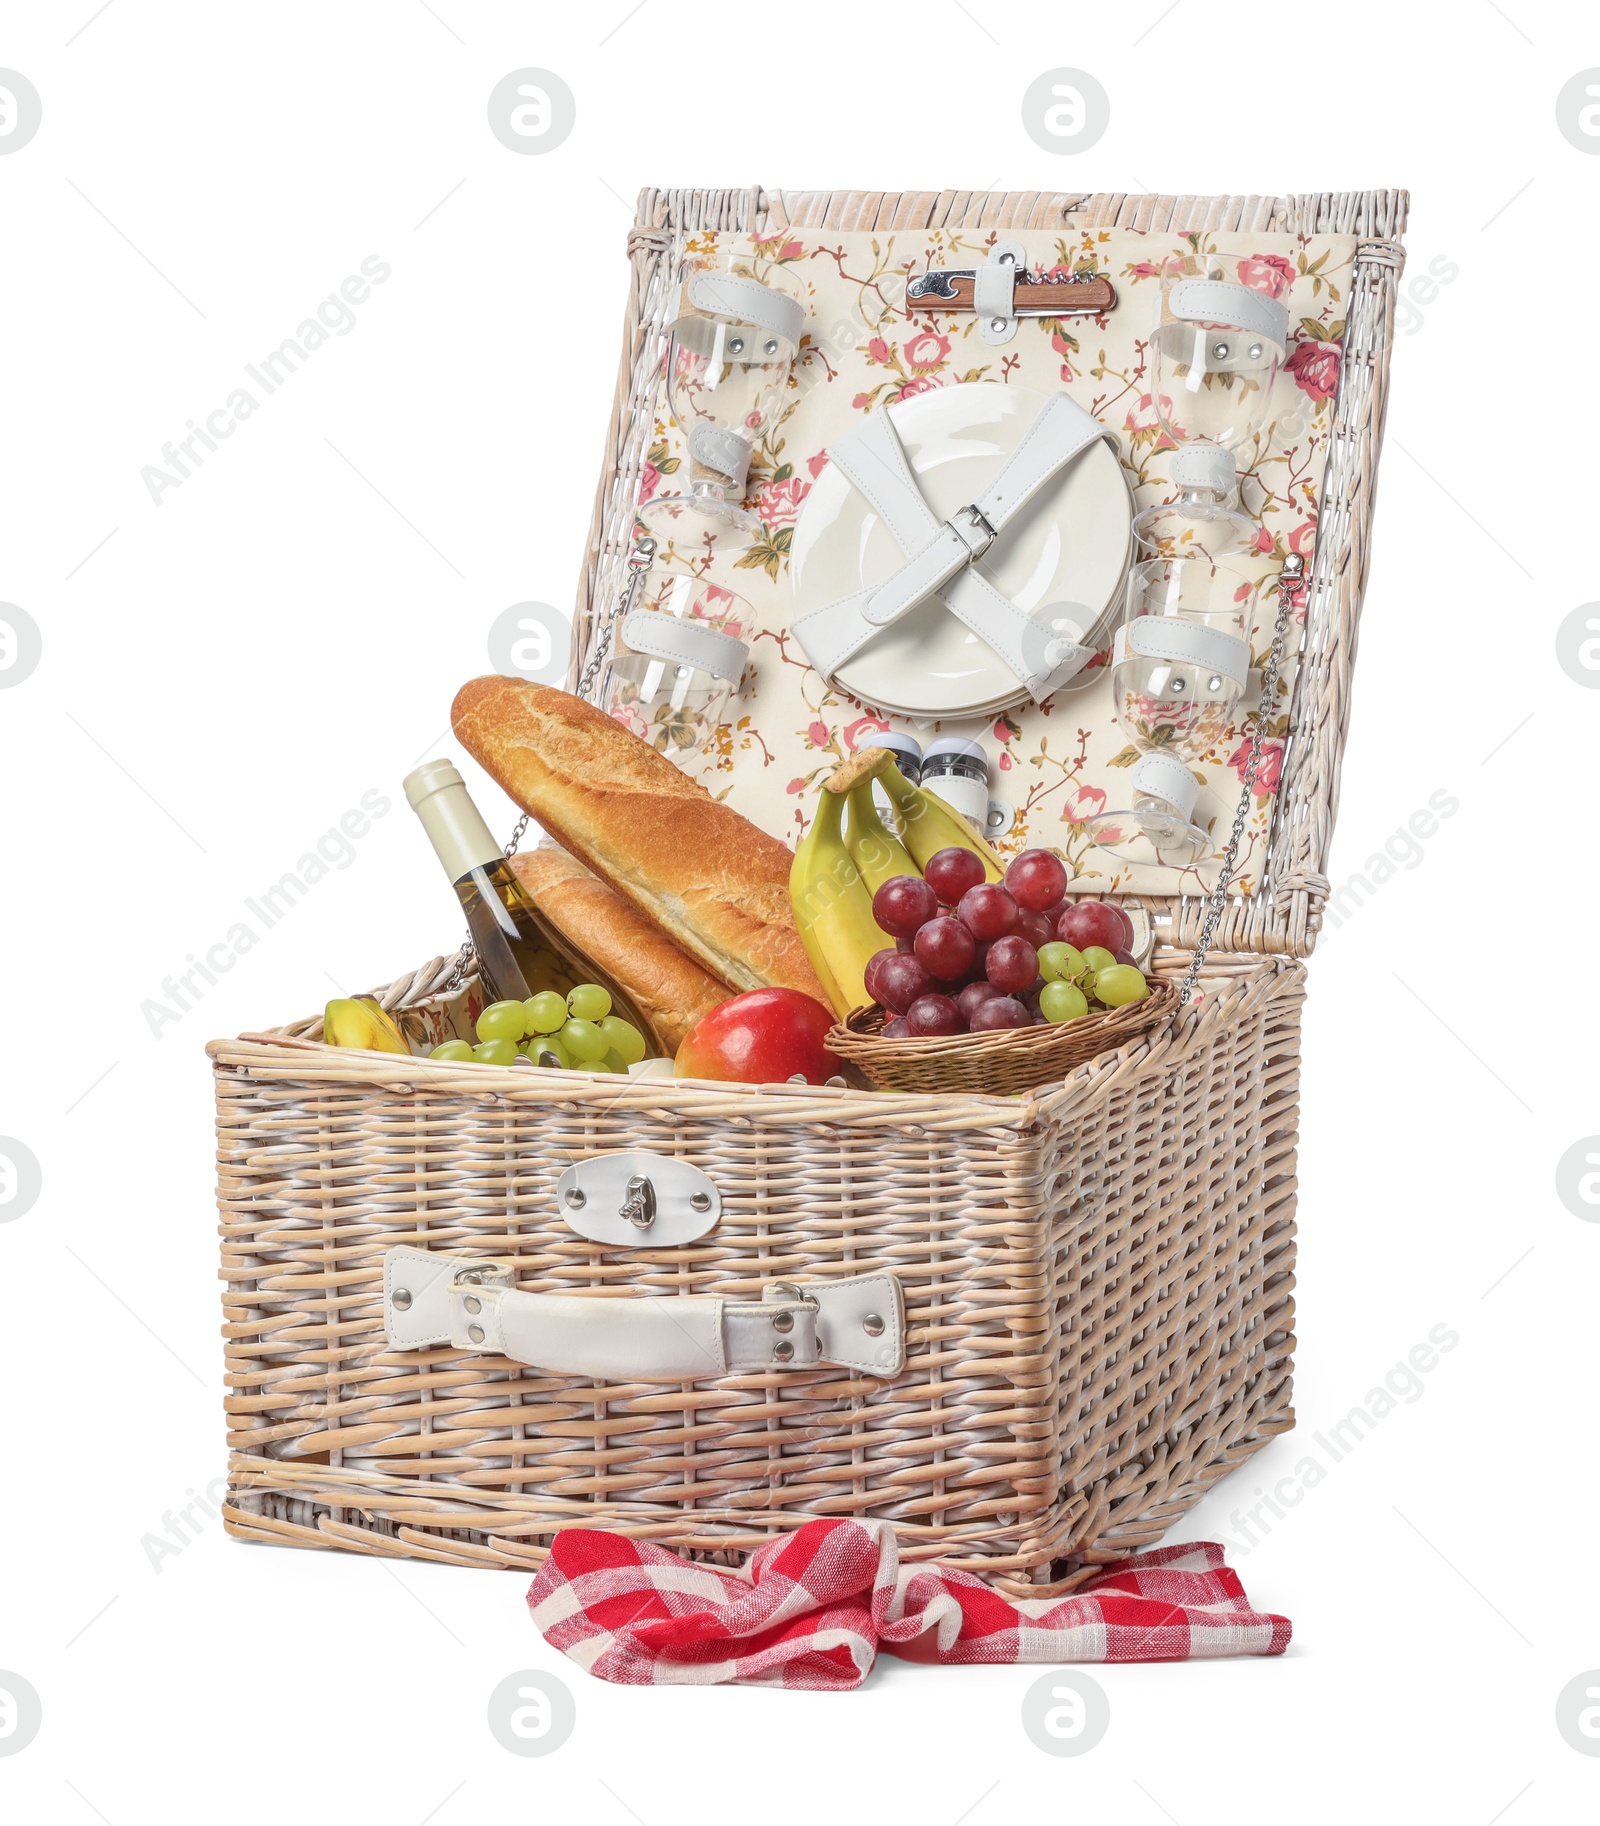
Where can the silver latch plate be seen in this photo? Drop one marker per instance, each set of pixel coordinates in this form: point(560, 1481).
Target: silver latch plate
point(602, 1200)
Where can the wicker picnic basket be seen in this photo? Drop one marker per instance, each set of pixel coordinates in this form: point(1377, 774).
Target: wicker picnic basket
point(1096, 1275)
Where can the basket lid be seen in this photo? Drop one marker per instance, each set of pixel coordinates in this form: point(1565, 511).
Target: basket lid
point(1277, 903)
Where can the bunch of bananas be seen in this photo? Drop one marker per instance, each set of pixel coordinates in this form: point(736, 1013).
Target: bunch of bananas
point(842, 861)
point(359, 1021)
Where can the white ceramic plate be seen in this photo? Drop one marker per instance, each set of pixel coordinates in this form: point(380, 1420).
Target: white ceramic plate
point(1069, 545)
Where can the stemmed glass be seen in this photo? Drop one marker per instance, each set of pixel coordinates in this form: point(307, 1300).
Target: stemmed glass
point(1180, 663)
point(733, 347)
point(1215, 350)
point(678, 660)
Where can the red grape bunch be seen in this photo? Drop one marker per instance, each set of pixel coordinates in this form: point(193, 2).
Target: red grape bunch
point(975, 956)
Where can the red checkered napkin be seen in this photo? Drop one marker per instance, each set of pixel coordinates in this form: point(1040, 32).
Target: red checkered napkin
point(813, 1609)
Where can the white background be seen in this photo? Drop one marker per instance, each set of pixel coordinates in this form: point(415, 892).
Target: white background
point(230, 672)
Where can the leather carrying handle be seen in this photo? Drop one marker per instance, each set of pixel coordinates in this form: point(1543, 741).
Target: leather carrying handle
point(856, 1324)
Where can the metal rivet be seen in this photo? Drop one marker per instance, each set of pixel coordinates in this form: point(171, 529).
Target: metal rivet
point(997, 323)
point(772, 345)
point(736, 344)
point(783, 1350)
point(574, 1199)
point(401, 1299)
point(473, 1303)
point(872, 1325)
point(475, 1333)
point(700, 1201)
point(783, 1321)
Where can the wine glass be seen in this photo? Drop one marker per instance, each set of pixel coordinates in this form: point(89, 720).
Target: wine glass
point(1180, 663)
point(1215, 350)
point(679, 659)
point(733, 346)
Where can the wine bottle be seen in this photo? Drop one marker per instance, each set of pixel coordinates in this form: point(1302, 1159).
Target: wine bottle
point(520, 953)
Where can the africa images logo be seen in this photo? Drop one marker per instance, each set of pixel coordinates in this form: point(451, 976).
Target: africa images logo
point(334, 316)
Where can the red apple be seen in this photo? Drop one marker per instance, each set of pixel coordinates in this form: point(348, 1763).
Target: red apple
point(765, 1036)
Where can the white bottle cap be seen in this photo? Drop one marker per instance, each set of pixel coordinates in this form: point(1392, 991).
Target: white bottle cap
point(436, 792)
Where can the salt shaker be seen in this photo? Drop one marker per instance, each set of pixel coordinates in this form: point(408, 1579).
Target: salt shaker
point(958, 771)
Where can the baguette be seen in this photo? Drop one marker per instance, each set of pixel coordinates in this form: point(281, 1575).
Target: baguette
point(669, 988)
point(717, 885)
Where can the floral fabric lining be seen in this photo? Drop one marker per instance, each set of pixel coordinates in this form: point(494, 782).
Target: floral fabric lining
point(864, 349)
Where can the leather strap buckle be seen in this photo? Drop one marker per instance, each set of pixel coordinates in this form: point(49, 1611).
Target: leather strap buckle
point(972, 529)
point(940, 554)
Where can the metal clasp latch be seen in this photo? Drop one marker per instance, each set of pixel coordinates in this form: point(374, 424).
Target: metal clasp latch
point(1291, 575)
point(639, 1205)
point(637, 1200)
point(972, 529)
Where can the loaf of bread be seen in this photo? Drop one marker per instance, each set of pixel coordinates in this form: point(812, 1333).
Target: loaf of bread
point(717, 885)
point(669, 987)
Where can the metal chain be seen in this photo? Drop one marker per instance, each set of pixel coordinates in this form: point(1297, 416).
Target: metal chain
point(1289, 580)
point(465, 956)
point(639, 562)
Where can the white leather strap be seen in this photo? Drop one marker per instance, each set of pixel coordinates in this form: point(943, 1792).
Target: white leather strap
point(954, 545)
point(1060, 432)
point(994, 291)
point(724, 451)
point(1055, 437)
point(1164, 778)
point(432, 1300)
point(563, 1333)
point(685, 643)
point(1221, 301)
point(1187, 643)
point(748, 301)
point(873, 460)
point(1204, 466)
point(1041, 655)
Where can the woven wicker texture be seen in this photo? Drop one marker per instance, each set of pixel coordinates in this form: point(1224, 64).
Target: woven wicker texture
point(1003, 1064)
point(1096, 1281)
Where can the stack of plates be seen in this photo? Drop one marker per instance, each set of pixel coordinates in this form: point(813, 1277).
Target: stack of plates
point(1066, 552)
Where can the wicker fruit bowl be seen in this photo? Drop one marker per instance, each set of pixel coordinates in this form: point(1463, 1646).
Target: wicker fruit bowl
point(1001, 1064)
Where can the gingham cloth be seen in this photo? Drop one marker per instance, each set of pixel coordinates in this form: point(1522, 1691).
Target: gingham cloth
point(813, 1609)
